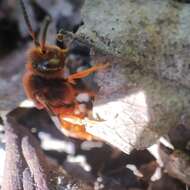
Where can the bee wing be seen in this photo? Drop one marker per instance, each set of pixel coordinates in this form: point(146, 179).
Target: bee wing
point(42, 100)
point(56, 118)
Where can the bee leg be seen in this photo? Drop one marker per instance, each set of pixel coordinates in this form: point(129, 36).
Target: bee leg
point(85, 73)
point(92, 122)
point(82, 122)
point(40, 99)
point(96, 120)
point(74, 130)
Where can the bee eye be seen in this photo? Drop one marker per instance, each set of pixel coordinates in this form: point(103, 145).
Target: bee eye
point(47, 65)
point(54, 61)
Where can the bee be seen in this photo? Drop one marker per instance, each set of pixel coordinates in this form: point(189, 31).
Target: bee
point(50, 87)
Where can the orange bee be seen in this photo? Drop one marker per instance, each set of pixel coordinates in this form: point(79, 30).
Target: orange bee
point(50, 87)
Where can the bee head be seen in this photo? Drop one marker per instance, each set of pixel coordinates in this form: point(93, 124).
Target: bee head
point(49, 61)
point(43, 58)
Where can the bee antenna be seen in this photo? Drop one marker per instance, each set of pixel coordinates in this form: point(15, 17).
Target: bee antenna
point(26, 18)
point(44, 32)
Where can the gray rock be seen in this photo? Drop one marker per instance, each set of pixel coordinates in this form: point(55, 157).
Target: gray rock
point(146, 92)
point(152, 34)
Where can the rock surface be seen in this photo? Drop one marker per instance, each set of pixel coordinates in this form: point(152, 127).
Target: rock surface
point(152, 34)
point(147, 92)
